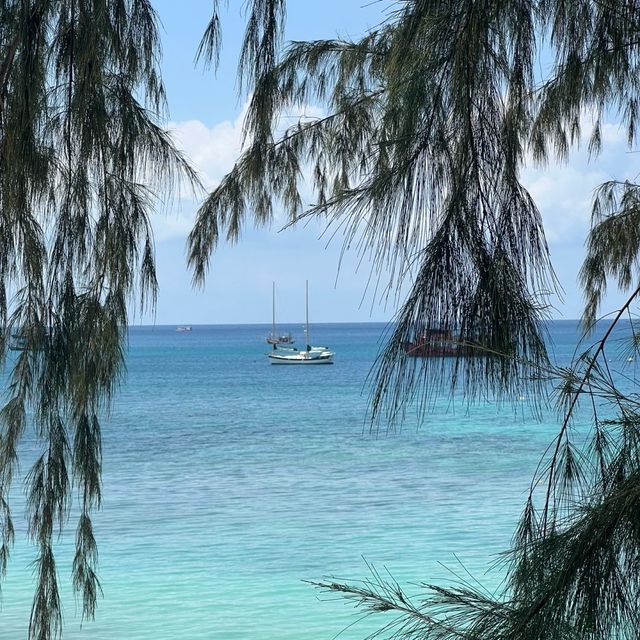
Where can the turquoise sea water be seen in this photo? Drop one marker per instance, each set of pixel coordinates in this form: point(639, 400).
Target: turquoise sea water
point(228, 482)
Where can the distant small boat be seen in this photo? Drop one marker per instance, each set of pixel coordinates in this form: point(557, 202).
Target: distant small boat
point(285, 338)
point(273, 337)
point(310, 355)
point(183, 329)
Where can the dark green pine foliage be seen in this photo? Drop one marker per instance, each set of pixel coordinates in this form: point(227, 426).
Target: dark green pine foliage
point(427, 122)
point(416, 163)
point(82, 163)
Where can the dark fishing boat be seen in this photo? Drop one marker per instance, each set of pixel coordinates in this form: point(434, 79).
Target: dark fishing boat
point(437, 343)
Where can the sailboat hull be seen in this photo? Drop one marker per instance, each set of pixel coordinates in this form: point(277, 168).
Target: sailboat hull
point(301, 357)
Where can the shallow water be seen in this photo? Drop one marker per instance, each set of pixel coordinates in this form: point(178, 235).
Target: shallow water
point(229, 482)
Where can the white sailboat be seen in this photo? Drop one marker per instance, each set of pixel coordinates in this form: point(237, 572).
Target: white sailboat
point(310, 355)
point(273, 338)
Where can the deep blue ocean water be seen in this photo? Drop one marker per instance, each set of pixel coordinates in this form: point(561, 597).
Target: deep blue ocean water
point(229, 482)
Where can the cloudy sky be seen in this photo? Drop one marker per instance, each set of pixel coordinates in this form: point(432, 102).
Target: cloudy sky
point(206, 120)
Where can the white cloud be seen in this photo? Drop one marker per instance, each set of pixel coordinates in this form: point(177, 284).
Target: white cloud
point(212, 152)
point(613, 134)
point(563, 195)
point(564, 191)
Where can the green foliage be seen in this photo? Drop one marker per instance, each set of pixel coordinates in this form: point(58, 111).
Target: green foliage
point(427, 122)
point(416, 163)
point(82, 157)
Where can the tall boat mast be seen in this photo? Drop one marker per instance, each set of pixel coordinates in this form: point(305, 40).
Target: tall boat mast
point(306, 304)
point(273, 310)
point(273, 338)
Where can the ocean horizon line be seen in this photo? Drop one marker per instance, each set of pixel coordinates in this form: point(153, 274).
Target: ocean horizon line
point(296, 322)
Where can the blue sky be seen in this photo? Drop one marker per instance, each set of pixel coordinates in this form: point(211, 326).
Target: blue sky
point(205, 112)
point(206, 117)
